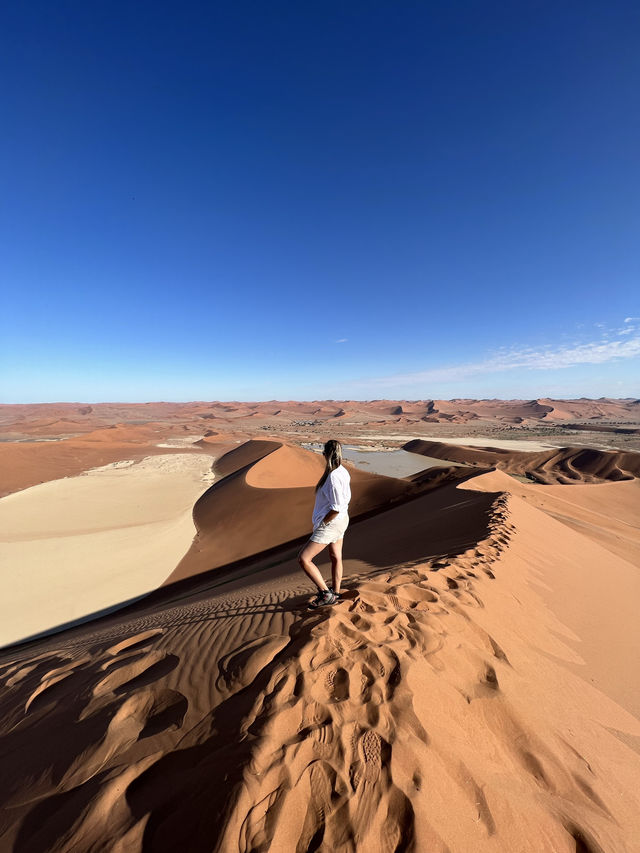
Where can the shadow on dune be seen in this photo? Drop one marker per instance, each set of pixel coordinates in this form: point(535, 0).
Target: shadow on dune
point(245, 513)
point(183, 797)
point(268, 526)
point(186, 795)
point(205, 776)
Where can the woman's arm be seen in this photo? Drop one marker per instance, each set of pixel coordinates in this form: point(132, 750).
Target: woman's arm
point(336, 499)
point(333, 513)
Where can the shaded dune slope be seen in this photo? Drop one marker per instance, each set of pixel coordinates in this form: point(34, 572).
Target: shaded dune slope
point(559, 465)
point(431, 709)
point(264, 498)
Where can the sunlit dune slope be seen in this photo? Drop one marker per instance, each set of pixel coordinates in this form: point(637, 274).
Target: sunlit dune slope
point(24, 464)
point(607, 513)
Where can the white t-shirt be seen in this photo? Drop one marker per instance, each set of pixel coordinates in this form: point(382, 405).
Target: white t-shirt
point(334, 494)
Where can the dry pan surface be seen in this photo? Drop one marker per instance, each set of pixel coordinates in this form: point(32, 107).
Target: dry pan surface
point(443, 705)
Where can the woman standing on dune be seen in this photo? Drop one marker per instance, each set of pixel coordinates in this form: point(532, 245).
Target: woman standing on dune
point(330, 520)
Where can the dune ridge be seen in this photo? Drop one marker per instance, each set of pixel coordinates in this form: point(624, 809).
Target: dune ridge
point(561, 465)
point(346, 736)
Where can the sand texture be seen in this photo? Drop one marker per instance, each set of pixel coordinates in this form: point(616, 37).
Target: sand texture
point(74, 546)
point(476, 689)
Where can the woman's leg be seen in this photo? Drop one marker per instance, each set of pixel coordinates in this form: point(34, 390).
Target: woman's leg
point(305, 558)
point(335, 551)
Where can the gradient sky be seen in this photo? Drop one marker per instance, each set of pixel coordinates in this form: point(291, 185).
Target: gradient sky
point(319, 200)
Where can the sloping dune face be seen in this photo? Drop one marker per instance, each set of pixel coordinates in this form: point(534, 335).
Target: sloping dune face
point(470, 692)
point(78, 545)
point(490, 409)
point(592, 409)
point(264, 497)
point(561, 465)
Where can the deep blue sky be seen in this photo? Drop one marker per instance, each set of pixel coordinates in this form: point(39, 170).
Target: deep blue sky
point(306, 200)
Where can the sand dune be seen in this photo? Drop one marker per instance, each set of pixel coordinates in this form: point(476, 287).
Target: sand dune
point(76, 418)
point(75, 546)
point(474, 690)
point(263, 498)
point(606, 516)
point(560, 465)
point(454, 700)
point(24, 464)
point(593, 409)
point(285, 468)
point(607, 513)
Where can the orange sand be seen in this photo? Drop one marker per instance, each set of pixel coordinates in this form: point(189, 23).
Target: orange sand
point(475, 690)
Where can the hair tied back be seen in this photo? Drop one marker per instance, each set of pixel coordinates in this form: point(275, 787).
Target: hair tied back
point(333, 455)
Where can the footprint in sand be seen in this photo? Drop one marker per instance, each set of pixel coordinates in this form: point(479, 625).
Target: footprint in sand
point(49, 689)
point(370, 750)
point(141, 715)
point(166, 712)
point(583, 840)
point(241, 666)
point(46, 692)
point(338, 684)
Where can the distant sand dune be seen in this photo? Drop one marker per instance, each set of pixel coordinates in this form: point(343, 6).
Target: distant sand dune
point(26, 464)
point(560, 465)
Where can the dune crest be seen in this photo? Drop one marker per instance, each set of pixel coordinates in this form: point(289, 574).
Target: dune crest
point(286, 468)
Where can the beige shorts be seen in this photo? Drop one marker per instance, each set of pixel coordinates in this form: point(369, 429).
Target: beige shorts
point(332, 531)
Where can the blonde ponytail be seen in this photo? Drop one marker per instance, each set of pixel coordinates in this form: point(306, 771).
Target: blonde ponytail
point(333, 455)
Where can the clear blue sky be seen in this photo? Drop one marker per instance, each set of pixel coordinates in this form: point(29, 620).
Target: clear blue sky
point(307, 200)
